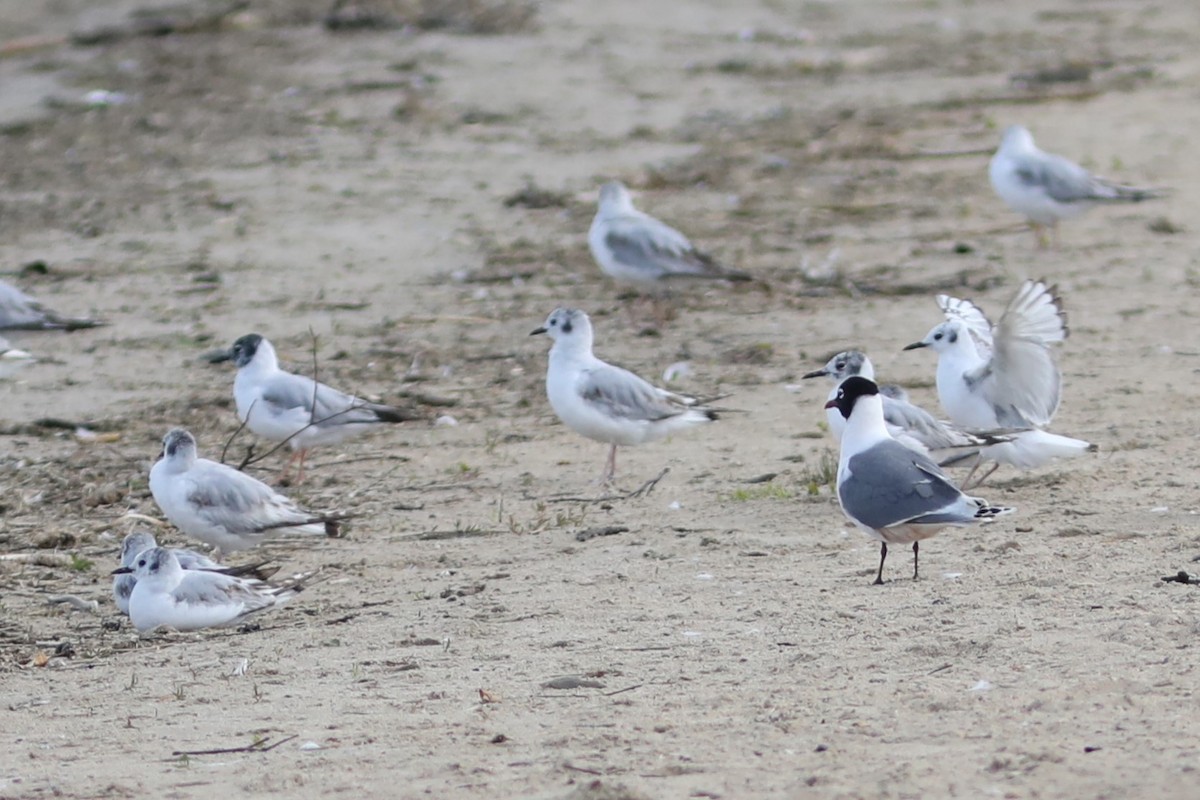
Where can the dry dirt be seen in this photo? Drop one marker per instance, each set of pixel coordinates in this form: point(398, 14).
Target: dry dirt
point(418, 197)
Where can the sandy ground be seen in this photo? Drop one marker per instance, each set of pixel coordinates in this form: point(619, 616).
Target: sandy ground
point(266, 174)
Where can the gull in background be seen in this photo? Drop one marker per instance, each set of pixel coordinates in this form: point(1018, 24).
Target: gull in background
point(282, 406)
point(1045, 188)
point(137, 542)
point(634, 247)
point(1005, 376)
point(167, 595)
point(894, 494)
point(908, 423)
point(19, 310)
point(220, 506)
point(604, 402)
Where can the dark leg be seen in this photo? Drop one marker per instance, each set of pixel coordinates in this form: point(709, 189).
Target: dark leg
point(916, 558)
point(882, 558)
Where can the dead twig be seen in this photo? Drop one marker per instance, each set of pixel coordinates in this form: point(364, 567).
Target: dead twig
point(257, 746)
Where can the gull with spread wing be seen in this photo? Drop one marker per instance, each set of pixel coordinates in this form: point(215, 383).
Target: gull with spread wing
point(1005, 376)
point(604, 402)
point(222, 507)
point(908, 423)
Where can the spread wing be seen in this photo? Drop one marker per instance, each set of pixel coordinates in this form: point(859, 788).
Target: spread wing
point(1023, 381)
point(972, 316)
point(620, 394)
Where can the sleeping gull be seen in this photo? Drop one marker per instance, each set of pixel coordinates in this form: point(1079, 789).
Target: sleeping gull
point(167, 595)
point(634, 247)
point(892, 493)
point(1046, 188)
point(604, 402)
point(908, 423)
point(220, 506)
point(1005, 375)
point(282, 406)
point(19, 310)
point(138, 542)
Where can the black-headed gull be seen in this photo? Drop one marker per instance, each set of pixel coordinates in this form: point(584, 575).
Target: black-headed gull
point(894, 494)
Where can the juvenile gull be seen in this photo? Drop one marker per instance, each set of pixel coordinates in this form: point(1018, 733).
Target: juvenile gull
point(167, 595)
point(634, 247)
point(604, 402)
point(279, 405)
point(1005, 375)
point(1045, 188)
point(137, 542)
point(892, 493)
point(19, 310)
point(908, 423)
point(220, 506)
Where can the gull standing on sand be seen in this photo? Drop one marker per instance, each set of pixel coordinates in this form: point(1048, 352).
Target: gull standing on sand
point(167, 595)
point(1046, 188)
point(895, 495)
point(1005, 375)
point(282, 406)
point(19, 310)
point(634, 247)
point(908, 423)
point(137, 542)
point(604, 402)
point(220, 506)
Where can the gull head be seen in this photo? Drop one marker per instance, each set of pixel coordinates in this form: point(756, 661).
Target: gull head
point(845, 365)
point(134, 544)
point(566, 325)
point(851, 391)
point(155, 564)
point(615, 198)
point(247, 347)
point(179, 447)
point(943, 337)
point(1016, 139)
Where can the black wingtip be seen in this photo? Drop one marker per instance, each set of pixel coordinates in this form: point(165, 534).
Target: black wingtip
point(712, 415)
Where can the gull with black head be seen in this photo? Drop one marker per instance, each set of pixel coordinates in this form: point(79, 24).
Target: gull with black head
point(892, 493)
point(605, 402)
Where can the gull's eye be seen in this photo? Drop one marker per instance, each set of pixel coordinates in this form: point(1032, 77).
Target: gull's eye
point(937, 337)
point(141, 562)
point(840, 365)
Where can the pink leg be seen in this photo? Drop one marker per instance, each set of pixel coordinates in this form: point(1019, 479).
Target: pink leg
point(300, 474)
point(610, 467)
